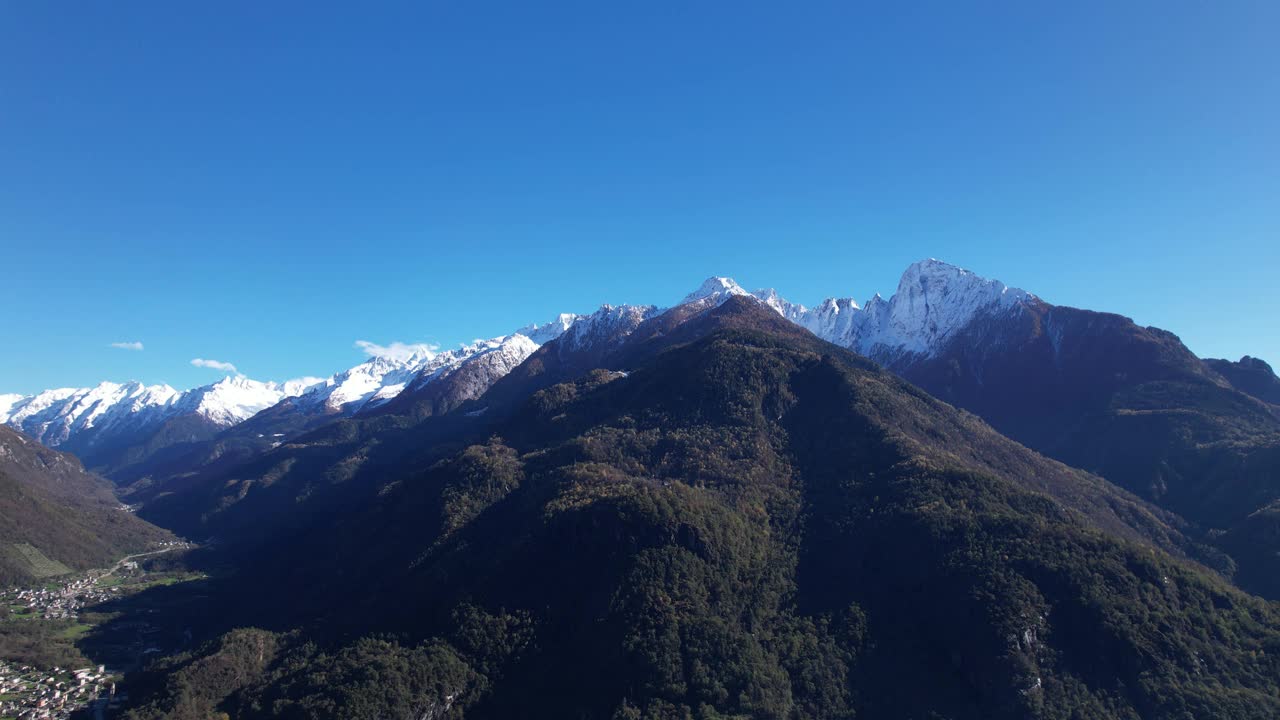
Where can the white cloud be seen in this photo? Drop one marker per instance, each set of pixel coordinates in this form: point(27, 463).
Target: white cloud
point(214, 364)
point(396, 350)
point(135, 345)
point(297, 386)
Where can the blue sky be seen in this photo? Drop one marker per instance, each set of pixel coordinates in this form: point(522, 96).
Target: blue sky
point(267, 183)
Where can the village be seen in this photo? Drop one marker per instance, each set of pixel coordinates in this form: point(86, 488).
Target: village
point(29, 692)
point(54, 694)
point(64, 601)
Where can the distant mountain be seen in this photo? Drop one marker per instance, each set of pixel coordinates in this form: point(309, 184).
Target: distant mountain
point(726, 517)
point(329, 457)
point(1091, 389)
point(1250, 375)
point(934, 303)
point(417, 385)
point(461, 375)
point(130, 431)
point(133, 433)
point(56, 518)
point(1095, 390)
point(109, 425)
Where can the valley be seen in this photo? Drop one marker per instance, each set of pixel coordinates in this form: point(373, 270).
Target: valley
point(49, 668)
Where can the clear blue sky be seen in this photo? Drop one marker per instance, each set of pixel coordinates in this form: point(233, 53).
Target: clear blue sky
point(265, 183)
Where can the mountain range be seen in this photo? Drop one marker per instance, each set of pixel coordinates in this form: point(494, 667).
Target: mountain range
point(960, 502)
point(1095, 390)
point(703, 512)
point(113, 426)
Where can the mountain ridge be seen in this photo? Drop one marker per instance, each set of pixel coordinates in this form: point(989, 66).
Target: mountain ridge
point(731, 518)
point(56, 518)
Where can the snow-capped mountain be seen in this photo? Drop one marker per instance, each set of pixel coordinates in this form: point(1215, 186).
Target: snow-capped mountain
point(56, 416)
point(502, 353)
point(545, 333)
point(934, 301)
point(608, 325)
point(114, 424)
point(375, 380)
point(379, 380)
point(235, 399)
point(458, 376)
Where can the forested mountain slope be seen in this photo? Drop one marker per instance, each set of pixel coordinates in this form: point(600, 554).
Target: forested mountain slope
point(55, 517)
point(741, 522)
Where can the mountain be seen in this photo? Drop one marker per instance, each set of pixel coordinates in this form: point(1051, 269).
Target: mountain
point(323, 466)
point(137, 434)
point(134, 433)
point(730, 518)
point(417, 385)
point(1198, 437)
point(1094, 390)
point(462, 375)
point(56, 518)
point(1250, 375)
point(111, 425)
point(935, 301)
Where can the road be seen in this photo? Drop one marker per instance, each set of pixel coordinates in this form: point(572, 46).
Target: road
point(130, 558)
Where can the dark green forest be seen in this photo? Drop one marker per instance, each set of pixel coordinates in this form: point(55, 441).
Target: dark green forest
point(747, 523)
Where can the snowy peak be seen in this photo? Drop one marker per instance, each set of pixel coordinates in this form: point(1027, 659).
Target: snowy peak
point(503, 352)
point(715, 288)
point(935, 300)
point(609, 324)
point(385, 376)
point(545, 333)
point(55, 416)
point(943, 284)
point(232, 399)
point(789, 310)
point(348, 391)
point(7, 403)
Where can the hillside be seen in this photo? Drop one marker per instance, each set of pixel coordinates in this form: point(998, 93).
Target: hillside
point(55, 517)
point(1131, 404)
point(743, 521)
point(1250, 375)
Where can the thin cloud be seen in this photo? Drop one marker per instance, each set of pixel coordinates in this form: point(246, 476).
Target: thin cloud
point(396, 350)
point(135, 345)
point(214, 364)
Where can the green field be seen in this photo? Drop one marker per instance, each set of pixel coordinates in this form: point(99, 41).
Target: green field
point(75, 631)
point(20, 612)
point(35, 562)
